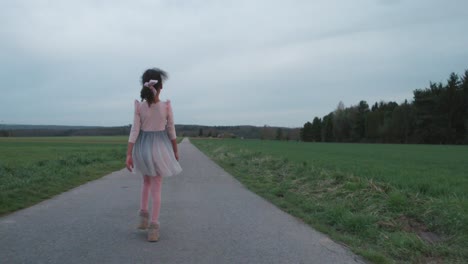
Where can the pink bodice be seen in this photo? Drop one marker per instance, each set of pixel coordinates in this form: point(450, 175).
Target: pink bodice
point(156, 117)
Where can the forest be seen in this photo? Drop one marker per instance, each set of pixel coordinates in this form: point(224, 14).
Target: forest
point(438, 114)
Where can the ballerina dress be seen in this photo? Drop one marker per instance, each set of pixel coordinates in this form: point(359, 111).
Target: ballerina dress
point(152, 131)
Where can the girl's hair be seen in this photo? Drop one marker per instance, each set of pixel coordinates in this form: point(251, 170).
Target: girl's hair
point(151, 74)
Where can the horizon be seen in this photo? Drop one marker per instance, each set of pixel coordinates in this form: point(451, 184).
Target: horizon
point(130, 125)
point(179, 124)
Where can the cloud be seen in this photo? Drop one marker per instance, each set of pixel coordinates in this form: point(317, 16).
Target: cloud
point(230, 62)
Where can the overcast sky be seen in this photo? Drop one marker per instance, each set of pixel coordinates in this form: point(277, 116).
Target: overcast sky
point(251, 62)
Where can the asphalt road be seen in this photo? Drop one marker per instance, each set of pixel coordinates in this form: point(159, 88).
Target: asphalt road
point(207, 216)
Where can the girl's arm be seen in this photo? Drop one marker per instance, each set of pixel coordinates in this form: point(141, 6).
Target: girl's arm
point(134, 132)
point(171, 129)
point(129, 161)
point(174, 147)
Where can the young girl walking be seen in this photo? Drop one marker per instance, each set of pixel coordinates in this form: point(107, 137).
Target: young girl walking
point(152, 147)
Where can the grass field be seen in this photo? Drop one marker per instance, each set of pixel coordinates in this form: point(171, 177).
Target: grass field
point(34, 169)
point(388, 203)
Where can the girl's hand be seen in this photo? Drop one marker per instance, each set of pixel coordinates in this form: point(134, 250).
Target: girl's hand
point(176, 156)
point(129, 162)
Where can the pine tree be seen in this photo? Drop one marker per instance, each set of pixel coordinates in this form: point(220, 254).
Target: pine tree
point(363, 111)
point(279, 134)
point(316, 129)
point(327, 128)
point(306, 132)
point(453, 107)
point(464, 87)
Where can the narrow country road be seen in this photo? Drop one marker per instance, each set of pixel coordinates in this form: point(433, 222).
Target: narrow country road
point(207, 216)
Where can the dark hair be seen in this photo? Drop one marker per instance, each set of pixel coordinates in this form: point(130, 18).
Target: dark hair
point(151, 74)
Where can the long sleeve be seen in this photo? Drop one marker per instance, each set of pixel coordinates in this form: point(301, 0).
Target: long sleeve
point(136, 124)
point(171, 132)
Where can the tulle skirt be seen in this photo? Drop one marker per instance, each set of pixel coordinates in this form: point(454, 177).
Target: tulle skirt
point(153, 155)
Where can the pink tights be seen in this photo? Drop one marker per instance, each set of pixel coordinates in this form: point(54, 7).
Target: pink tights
point(152, 183)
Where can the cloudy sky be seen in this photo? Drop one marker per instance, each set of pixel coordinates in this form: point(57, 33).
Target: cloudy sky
point(230, 62)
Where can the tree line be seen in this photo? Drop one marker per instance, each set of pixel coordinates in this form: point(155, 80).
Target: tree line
point(247, 132)
point(61, 131)
point(438, 114)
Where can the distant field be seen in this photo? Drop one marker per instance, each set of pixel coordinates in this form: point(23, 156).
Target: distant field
point(389, 203)
point(34, 169)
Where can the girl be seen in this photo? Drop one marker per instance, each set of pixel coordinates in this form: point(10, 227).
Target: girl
point(152, 147)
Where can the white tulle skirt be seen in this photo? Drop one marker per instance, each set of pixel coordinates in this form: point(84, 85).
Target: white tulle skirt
point(153, 155)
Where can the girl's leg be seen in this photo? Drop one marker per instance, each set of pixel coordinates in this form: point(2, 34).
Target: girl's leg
point(156, 183)
point(145, 188)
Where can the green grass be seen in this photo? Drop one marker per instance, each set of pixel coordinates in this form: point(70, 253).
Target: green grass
point(380, 200)
point(407, 166)
point(34, 169)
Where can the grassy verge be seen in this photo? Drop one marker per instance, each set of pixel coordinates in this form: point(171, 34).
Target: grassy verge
point(34, 169)
point(353, 197)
